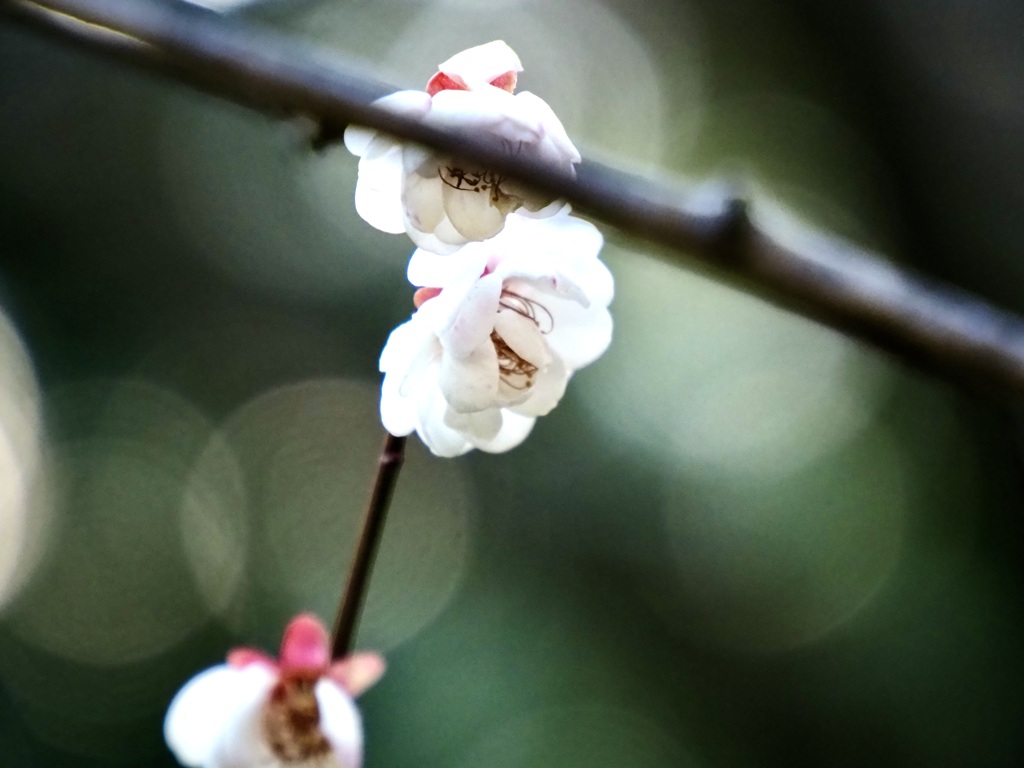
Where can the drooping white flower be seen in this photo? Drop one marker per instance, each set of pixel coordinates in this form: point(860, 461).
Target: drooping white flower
point(258, 711)
point(442, 202)
point(499, 329)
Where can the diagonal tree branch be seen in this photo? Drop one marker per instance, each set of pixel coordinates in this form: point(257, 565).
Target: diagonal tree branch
point(822, 277)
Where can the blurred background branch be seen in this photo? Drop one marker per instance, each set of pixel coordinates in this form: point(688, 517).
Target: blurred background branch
point(765, 250)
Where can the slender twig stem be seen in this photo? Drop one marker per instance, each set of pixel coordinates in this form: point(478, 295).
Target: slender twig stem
point(816, 274)
point(391, 457)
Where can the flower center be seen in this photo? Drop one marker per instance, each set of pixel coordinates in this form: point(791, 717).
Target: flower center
point(477, 182)
point(528, 308)
point(291, 722)
point(514, 370)
point(486, 181)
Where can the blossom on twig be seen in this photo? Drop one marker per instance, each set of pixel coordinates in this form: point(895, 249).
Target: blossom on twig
point(258, 711)
point(499, 329)
point(443, 202)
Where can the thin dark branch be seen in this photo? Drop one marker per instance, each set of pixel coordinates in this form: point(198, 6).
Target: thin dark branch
point(817, 275)
point(391, 457)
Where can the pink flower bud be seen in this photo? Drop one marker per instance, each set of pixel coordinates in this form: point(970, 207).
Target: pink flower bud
point(256, 710)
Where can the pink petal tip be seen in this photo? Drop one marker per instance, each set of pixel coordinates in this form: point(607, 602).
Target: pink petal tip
point(441, 82)
point(357, 672)
point(304, 647)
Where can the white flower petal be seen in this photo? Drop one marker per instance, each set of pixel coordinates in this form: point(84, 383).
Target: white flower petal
point(591, 277)
point(436, 271)
point(473, 319)
point(381, 146)
point(357, 139)
point(548, 287)
point(441, 439)
point(379, 187)
point(523, 336)
point(397, 413)
point(410, 347)
point(554, 208)
point(421, 161)
point(410, 103)
point(580, 335)
point(528, 200)
point(449, 236)
point(561, 245)
point(547, 390)
point(560, 145)
point(481, 426)
point(491, 113)
point(444, 240)
point(210, 705)
point(409, 352)
point(340, 723)
point(514, 429)
point(423, 202)
point(513, 390)
point(470, 383)
point(471, 212)
point(243, 744)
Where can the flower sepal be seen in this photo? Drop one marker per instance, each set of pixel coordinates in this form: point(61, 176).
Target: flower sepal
point(256, 710)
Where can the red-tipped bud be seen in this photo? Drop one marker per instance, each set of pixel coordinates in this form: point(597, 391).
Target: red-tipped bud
point(506, 82)
point(305, 646)
point(441, 82)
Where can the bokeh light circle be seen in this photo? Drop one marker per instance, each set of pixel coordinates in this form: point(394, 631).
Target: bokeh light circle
point(14, 522)
point(721, 381)
point(23, 518)
point(766, 566)
point(308, 453)
point(215, 525)
point(592, 734)
point(115, 587)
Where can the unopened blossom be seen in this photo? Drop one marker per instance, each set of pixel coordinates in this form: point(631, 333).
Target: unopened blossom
point(443, 202)
point(500, 328)
point(257, 711)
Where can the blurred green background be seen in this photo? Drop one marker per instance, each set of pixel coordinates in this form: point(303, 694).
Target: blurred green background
point(741, 539)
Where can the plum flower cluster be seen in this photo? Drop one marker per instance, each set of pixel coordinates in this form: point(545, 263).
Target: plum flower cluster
point(259, 711)
point(511, 300)
point(512, 297)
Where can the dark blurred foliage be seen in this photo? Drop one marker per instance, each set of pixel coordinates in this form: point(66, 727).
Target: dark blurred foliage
point(740, 540)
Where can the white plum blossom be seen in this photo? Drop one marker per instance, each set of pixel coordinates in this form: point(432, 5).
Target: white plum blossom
point(499, 329)
point(258, 711)
point(442, 202)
